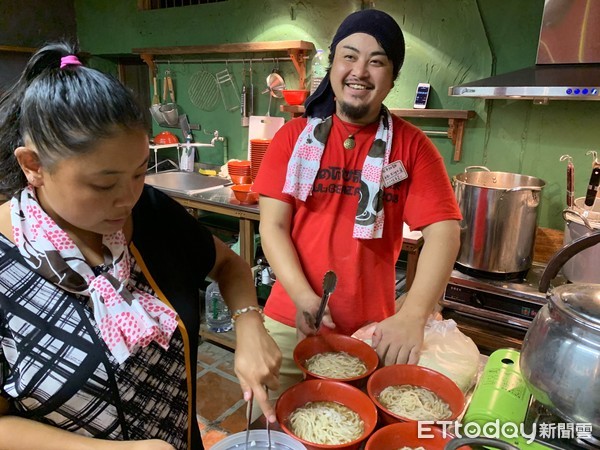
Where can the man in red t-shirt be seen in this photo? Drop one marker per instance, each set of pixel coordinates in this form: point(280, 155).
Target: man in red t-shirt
point(336, 187)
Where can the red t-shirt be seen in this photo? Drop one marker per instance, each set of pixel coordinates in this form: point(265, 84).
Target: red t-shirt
point(321, 227)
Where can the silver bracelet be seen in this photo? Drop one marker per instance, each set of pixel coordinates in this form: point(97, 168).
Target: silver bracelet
point(238, 312)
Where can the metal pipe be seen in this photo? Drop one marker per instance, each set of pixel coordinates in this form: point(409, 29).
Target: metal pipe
point(221, 60)
point(435, 133)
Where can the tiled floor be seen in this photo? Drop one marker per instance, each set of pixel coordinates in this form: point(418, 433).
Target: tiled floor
point(221, 408)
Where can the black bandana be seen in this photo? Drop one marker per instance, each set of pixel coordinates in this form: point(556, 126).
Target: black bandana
point(375, 23)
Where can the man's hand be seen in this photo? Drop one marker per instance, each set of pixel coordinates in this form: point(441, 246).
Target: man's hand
point(398, 339)
point(306, 316)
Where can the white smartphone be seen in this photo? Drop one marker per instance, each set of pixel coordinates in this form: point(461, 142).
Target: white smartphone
point(422, 95)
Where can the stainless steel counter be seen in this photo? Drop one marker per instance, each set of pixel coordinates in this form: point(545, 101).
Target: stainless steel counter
point(196, 191)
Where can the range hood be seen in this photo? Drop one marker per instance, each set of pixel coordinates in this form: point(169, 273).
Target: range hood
point(568, 59)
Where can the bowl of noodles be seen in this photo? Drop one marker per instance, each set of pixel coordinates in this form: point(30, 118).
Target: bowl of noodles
point(408, 436)
point(407, 392)
point(326, 414)
point(336, 357)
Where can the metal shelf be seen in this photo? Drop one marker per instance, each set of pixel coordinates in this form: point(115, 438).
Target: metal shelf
point(297, 51)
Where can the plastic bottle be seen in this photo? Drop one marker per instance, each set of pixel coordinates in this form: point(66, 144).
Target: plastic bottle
point(218, 316)
point(318, 70)
point(186, 163)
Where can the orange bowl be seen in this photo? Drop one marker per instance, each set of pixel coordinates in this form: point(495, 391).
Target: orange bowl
point(242, 163)
point(165, 137)
point(414, 375)
point(332, 342)
point(243, 193)
point(241, 179)
point(326, 391)
point(294, 97)
point(409, 434)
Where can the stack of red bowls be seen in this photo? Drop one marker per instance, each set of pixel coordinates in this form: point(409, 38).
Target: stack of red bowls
point(258, 148)
point(239, 172)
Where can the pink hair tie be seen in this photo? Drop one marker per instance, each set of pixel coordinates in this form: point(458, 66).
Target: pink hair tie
point(69, 60)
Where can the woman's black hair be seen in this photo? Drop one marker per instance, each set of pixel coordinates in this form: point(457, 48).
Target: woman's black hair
point(63, 112)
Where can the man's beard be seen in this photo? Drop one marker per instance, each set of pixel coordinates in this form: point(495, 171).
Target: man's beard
point(353, 112)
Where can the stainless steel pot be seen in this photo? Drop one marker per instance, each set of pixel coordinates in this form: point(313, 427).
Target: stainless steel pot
point(585, 266)
point(560, 356)
point(499, 212)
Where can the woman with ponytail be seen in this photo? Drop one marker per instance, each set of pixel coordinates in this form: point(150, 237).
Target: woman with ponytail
point(98, 321)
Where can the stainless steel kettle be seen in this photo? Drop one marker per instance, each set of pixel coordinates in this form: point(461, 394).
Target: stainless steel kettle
point(560, 356)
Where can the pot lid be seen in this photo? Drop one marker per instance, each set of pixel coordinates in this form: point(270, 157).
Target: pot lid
point(581, 301)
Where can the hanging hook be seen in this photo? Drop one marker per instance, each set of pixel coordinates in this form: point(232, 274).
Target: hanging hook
point(594, 154)
point(566, 157)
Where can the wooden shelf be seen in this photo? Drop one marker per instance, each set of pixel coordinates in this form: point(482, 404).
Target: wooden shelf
point(13, 49)
point(297, 50)
point(456, 121)
point(434, 113)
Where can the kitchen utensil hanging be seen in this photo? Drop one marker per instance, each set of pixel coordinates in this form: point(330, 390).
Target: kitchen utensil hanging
point(204, 90)
point(155, 96)
point(229, 92)
point(244, 98)
point(275, 82)
point(275, 86)
point(169, 109)
point(570, 180)
point(250, 94)
point(156, 105)
point(594, 183)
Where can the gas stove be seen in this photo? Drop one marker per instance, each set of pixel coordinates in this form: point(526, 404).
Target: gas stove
point(513, 303)
point(574, 437)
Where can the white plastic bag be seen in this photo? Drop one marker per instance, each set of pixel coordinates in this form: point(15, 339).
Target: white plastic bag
point(445, 349)
point(449, 351)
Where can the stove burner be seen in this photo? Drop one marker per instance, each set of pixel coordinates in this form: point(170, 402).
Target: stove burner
point(590, 443)
point(510, 303)
point(516, 276)
point(538, 414)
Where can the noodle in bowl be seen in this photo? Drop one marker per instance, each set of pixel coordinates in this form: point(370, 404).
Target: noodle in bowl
point(338, 365)
point(327, 423)
point(414, 402)
point(406, 392)
point(325, 414)
point(336, 357)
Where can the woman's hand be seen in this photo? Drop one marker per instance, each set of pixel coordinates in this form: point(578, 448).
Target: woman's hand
point(257, 361)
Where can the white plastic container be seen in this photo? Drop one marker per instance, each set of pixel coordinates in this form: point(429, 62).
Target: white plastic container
point(318, 70)
point(258, 440)
point(218, 316)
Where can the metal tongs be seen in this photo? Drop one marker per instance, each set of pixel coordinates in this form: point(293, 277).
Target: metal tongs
point(249, 421)
point(329, 284)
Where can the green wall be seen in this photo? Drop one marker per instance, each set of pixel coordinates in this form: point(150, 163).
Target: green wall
point(448, 42)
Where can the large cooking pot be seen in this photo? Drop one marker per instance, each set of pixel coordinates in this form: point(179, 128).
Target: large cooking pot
point(499, 212)
point(560, 356)
point(585, 266)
